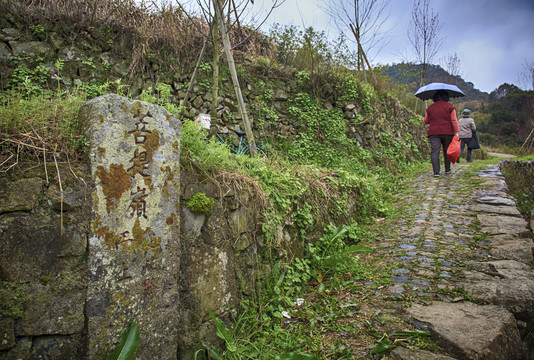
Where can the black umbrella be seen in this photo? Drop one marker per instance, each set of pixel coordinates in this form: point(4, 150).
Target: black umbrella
point(428, 91)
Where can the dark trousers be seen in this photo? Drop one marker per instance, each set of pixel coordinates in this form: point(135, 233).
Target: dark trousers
point(438, 142)
point(464, 143)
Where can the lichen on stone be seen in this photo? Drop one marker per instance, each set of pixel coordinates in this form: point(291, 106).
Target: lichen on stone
point(12, 298)
point(152, 144)
point(145, 239)
point(136, 108)
point(171, 219)
point(114, 184)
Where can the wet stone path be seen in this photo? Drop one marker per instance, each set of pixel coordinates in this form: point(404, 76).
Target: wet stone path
point(460, 260)
point(435, 239)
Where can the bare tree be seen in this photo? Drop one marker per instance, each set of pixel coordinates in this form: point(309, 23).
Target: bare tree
point(364, 19)
point(452, 66)
point(526, 78)
point(237, 14)
point(213, 12)
point(423, 34)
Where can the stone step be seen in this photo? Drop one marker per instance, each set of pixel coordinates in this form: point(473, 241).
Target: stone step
point(470, 331)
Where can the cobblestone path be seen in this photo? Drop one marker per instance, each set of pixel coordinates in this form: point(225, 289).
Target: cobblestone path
point(435, 238)
point(460, 257)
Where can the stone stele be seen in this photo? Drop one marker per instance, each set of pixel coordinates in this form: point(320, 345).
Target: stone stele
point(134, 242)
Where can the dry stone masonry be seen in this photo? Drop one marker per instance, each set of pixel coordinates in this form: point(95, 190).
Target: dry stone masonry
point(129, 248)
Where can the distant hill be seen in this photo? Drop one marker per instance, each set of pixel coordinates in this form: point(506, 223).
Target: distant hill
point(408, 74)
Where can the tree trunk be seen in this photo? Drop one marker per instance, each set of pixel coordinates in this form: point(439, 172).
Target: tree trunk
point(195, 71)
point(215, 79)
point(363, 56)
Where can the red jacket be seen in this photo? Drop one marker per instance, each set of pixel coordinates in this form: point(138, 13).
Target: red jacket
point(442, 119)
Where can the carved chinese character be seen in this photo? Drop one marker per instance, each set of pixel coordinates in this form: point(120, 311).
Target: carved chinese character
point(125, 274)
point(140, 163)
point(138, 204)
point(140, 128)
point(149, 265)
point(140, 138)
point(150, 286)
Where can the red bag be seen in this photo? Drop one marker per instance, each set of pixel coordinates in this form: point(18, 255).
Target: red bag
point(453, 151)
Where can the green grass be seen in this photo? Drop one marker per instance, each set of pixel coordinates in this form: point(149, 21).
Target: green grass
point(314, 193)
point(33, 126)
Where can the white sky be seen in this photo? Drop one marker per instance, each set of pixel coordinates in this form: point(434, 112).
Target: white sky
point(493, 39)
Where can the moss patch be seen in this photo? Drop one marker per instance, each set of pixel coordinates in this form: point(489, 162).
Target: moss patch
point(12, 299)
point(201, 204)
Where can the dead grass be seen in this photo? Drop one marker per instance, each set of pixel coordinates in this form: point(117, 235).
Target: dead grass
point(154, 33)
point(146, 31)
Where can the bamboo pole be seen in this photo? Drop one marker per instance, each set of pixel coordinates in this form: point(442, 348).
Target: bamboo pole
point(195, 71)
point(215, 75)
point(526, 141)
point(235, 80)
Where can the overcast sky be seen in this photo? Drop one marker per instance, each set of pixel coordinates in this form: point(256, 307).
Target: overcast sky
point(493, 39)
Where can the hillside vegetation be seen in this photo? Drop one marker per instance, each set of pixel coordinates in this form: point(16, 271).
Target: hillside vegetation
point(338, 147)
point(504, 117)
point(409, 74)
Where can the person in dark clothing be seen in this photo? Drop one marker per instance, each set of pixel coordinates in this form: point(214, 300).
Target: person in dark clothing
point(443, 125)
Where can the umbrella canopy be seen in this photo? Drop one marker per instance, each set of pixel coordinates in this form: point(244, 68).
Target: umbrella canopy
point(428, 91)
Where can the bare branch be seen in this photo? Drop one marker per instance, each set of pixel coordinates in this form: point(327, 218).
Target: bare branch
point(364, 20)
point(423, 33)
point(451, 63)
point(526, 78)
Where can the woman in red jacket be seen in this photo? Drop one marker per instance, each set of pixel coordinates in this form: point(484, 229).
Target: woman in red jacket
point(441, 116)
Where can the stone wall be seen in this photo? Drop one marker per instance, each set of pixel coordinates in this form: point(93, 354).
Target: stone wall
point(267, 91)
point(220, 252)
point(43, 272)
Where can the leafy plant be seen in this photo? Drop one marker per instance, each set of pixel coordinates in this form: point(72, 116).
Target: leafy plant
point(30, 81)
point(129, 341)
point(331, 254)
point(382, 346)
point(296, 356)
point(90, 62)
point(92, 90)
point(59, 67)
point(303, 78)
point(205, 67)
point(120, 88)
point(224, 333)
point(37, 29)
point(204, 85)
point(248, 341)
